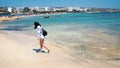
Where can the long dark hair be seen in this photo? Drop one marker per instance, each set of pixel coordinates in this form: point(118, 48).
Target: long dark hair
point(36, 24)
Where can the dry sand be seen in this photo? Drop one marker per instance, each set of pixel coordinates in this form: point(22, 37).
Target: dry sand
point(7, 18)
point(16, 51)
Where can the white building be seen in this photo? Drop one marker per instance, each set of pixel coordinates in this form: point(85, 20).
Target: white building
point(19, 10)
point(44, 9)
point(58, 9)
point(36, 8)
point(86, 9)
point(83, 9)
point(76, 8)
point(69, 9)
point(9, 9)
point(47, 9)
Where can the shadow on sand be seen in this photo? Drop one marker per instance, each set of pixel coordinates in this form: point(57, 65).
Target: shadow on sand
point(39, 50)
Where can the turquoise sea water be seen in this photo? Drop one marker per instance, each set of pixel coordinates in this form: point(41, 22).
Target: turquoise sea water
point(104, 20)
point(76, 31)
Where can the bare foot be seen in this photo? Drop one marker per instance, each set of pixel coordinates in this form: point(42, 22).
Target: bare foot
point(48, 51)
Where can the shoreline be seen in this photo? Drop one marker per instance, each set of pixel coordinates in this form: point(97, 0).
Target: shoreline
point(10, 18)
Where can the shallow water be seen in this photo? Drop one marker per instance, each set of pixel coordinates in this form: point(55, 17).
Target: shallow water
point(95, 35)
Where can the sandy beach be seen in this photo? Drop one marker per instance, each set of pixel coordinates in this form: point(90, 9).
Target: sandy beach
point(7, 18)
point(17, 51)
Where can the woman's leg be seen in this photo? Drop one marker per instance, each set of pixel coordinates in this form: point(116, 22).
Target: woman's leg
point(47, 49)
point(42, 45)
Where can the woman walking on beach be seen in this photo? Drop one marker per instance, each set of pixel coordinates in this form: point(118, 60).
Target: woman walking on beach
point(40, 35)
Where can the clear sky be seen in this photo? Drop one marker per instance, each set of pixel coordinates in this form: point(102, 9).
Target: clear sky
point(62, 3)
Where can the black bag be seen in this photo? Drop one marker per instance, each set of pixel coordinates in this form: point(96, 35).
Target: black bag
point(44, 32)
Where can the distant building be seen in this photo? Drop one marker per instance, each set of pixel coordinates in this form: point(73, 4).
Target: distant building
point(19, 10)
point(36, 8)
point(79, 9)
point(83, 9)
point(42, 9)
point(69, 9)
point(58, 9)
point(45, 9)
point(9, 9)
